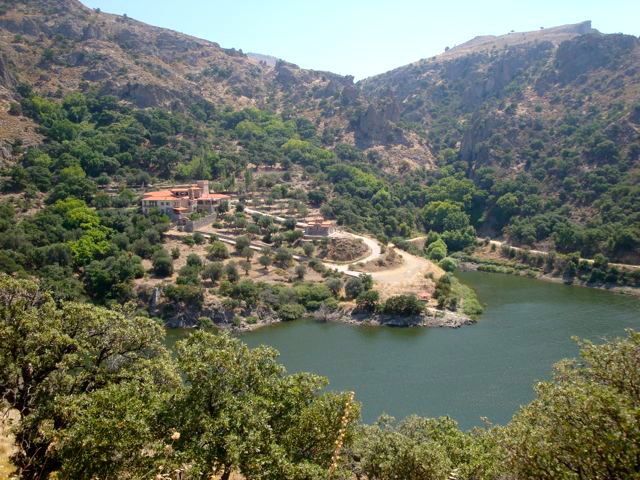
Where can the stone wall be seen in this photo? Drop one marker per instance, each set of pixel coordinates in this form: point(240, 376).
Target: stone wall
point(193, 225)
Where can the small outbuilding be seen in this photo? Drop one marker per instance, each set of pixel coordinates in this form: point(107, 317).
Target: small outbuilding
point(319, 227)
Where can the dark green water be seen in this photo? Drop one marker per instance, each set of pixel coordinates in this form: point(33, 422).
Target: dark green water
point(484, 370)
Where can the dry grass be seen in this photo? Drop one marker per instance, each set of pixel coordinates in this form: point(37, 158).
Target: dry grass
point(6, 444)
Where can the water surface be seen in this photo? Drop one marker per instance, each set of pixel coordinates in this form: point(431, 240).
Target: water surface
point(484, 370)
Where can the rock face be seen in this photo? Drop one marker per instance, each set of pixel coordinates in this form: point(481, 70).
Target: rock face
point(376, 125)
point(7, 78)
point(430, 318)
point(589, 52)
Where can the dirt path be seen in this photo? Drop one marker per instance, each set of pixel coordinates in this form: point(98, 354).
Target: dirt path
point(408, 277)
point(622, 266)
point(375, 251)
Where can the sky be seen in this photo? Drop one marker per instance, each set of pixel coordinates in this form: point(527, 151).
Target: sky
point(366, 37)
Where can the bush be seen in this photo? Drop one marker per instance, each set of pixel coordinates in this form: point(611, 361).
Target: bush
point(403, 305)
point(300, 270)
point(162, 263)
point(15, 109)
point(190, 295)
point(291, 311)
point(367, 301)
point(217, 251)
point(194, 260)
point(448, 264)
point(199, 238)
point(189, 240)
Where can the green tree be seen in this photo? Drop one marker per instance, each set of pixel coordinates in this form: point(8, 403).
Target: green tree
point(308, 248)
point(231, 271)
point(387, 453)
point(239, 410)
point(437, 250)
point(583, 423)
point(444, 215)
point(283, 257)
point(334, 284)
point(247, 253)
point(403, 305)
point(242, 242)
point(162, 263)
point(353, 288)
point(217, 251)
point(213, 271)
point(265, 261)
point(52, 355)
point(246, 266)
point(291, 311)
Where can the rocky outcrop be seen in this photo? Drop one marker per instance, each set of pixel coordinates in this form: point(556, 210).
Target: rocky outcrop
point(431, 317)
point(144, 95)
point(7, 78)
point(285, 74)
point(586, 53)
point(69, 30)
point(473, 148)
point(24, 26)
point(376, 125)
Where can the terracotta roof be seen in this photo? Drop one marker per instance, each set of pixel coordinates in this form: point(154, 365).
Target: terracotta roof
point(163, 195)
point(180, 209)
point(160, 193)
point(321, 221)
point(214, 196)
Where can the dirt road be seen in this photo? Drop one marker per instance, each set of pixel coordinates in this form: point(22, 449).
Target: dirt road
point(409, 277)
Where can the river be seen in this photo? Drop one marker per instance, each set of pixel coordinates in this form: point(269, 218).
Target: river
point(484, 370)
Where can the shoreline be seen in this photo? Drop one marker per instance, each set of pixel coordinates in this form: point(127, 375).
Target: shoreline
point(621, 290)
point(430, 318)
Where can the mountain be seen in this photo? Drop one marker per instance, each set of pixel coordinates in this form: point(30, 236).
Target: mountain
point(551, 119)
point(60, 46)
point(268, 60)
point(543, 126)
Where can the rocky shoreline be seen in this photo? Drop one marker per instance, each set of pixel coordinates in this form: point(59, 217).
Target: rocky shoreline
point(624, 290)
point(225, 320)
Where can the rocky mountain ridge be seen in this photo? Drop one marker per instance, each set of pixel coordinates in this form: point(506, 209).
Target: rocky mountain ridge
point(61, 46)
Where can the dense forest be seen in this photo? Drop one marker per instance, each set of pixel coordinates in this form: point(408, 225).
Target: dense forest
point(100, 396)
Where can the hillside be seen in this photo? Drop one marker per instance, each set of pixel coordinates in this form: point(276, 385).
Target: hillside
point(543, 122)
point(529, 137)
point(62, 46)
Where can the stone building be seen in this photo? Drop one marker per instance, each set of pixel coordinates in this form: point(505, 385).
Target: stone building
point(181, 200)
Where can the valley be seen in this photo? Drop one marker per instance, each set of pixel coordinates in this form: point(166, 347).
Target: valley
point(172, 211)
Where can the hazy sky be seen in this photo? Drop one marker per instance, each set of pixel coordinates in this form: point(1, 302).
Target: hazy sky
point(366, 37)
